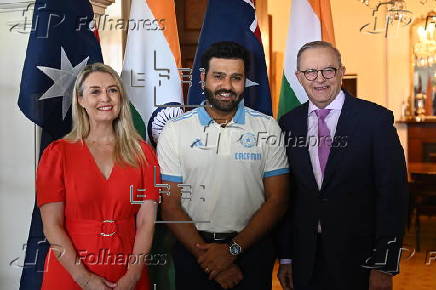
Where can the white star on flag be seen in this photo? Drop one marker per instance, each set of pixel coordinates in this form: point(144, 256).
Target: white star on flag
point(64, 80)
point(249, 2)
point(253, 25)
point(249, 83)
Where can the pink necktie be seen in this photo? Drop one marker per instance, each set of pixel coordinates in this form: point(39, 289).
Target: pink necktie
point(323, 138)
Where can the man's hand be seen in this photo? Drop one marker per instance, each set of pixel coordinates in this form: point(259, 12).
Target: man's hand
point(230, 277)
point(127, 282)
point(285, 276)
point(216, 259)
point(379, 281)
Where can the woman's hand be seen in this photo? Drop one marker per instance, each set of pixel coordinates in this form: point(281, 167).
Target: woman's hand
point(94, 282)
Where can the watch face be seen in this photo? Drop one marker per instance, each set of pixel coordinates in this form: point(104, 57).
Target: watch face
point(235, 249)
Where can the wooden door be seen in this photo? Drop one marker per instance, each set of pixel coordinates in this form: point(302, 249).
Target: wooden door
point(190, 15)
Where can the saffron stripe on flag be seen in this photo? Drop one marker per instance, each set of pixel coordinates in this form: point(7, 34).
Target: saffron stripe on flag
point(150, 69)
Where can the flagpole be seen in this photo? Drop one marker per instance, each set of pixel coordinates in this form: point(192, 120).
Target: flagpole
point(37, 131)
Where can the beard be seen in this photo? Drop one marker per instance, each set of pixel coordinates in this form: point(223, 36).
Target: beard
point(220, 105)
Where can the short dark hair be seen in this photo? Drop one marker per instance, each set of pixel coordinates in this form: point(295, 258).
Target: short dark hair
point(227, 50)
point(318, 44)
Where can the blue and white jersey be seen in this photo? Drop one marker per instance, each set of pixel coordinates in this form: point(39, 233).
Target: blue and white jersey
point(222, 167)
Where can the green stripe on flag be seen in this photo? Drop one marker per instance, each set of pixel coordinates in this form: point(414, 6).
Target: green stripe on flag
point(162, 274)
point(138, 122)
point(288, 100)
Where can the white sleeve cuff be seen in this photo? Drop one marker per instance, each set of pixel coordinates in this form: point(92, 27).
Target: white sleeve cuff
point(285, 261)
point(384, 272)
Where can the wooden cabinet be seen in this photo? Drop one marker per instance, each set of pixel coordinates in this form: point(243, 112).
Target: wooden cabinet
point(421, 139)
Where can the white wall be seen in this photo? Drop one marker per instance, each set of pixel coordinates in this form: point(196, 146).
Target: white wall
point(16, 156)
point(362, 53)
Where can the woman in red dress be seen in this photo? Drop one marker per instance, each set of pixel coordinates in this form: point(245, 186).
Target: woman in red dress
point(96, 192)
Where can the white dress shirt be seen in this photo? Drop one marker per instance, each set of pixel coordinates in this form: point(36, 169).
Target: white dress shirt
point(331, 121)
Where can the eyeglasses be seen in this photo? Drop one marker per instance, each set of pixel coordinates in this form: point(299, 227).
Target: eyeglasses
point(312, 74)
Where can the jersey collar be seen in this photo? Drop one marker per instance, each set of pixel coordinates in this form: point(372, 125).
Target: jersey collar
point(205, 119)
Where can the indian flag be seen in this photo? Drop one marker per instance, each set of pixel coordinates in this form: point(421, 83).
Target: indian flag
point(153, 83)
point(150, 69)
point(310, 20)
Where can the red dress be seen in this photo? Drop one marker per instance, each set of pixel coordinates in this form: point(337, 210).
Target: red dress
point(99, 213)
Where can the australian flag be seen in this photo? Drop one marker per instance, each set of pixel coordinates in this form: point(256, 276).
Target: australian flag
point(235, 20)
point(61, 43)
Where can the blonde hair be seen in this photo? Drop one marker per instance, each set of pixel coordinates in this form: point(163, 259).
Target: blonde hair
point(127, 141)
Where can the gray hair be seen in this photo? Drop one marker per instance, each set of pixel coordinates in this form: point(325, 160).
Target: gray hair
point(318, 44)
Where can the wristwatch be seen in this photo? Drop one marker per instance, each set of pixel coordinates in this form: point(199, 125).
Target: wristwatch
point(234, 248)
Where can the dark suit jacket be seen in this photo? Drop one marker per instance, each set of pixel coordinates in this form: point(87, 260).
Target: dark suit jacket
point(362, 203)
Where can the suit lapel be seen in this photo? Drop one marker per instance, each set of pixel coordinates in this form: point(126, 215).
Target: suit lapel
point(344, 128)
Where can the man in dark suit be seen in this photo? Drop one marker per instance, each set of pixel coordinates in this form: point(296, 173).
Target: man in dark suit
point(348, 205)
